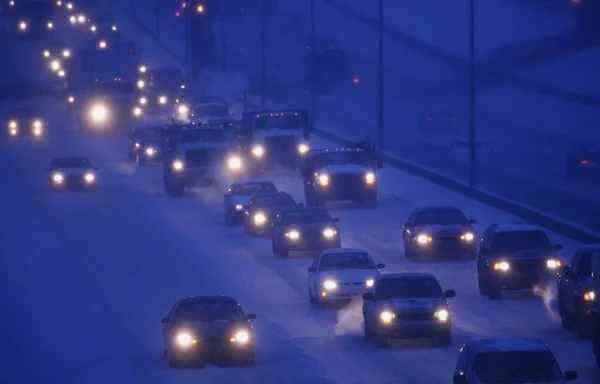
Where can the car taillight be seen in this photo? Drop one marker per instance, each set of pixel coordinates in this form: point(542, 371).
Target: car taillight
point(356, 80)
point(453, 119)
point(429, 118)
point(586, 162)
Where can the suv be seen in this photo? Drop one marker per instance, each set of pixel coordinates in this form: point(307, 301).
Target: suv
point(510, 360)
point(515, 256)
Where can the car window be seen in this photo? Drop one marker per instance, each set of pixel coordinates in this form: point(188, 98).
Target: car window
point(440, 217)
point(208, 311)
point(516, 367)
point(306, 216)
point(351, 260)
point(513, 241)
point(251, 189)
point(409, 287)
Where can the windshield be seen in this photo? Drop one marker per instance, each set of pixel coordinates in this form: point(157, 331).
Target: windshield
point(521, 241)
point(274, 201)
point(153, 133)
point(306, 216)
point(409, 287)
point(354, 260)
point(344, 158)
point(205, 135)
point(208, 311)
point(212, 110)
point(441, 217)
point(516, 367)
point(288, 121)
point(166, 78)
point(70, 163)
point(252, 189)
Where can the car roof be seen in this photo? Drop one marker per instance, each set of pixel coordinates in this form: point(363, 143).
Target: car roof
point(516, 227)
point(199, 299)
point(403, 275)
point(334, 251)
point(511, 344)
point(59, 161)
point(251, 181)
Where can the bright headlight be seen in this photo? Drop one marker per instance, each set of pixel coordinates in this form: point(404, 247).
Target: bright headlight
point(69, 6)
point(370, 178)
point(258, 151)
point(61, 73)
point(259, 218)
point(293, 235)
point(239, 207)
point(37, 131)
point(143, 69)
point(234, 163)
point(162, 100)
point(178, 165)
point(502, 266)
point(137, 111)
point(468, 236)
point(89, 177)
point(329, 285)
point(12, 124)
point(303, 148)
point(137, 145)
point(98, 113)
point(329, 232)
point(589, 296)
point(143, 100)
point(66, 53)
point(442, 315)
point(424, 239)
point(386, 317)
point(184, 339)
point(150, 151)
point(241, 337)
point(46, 53)
point(553, 264)
point(183, 109)
point(324, 179)
point(50, 25)
point(114, 27)
point(58, 3)
point(22, 25)
point(37, 124)
point(72, 19)
point(93, 28)
point(71, 99)
point(81, 19)
point(369, 283)
point(102, 44)
point(57, 178)
point(141, 84)
point(55, 65)
point(13, 131)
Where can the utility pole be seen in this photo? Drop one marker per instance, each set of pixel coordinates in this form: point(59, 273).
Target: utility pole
point(263, 69)
point(313, 43)
point(472, 68)
point(381, 122)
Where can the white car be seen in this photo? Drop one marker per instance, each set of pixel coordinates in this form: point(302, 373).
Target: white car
point(72, 173)
point(236, 200)
point(341, 274)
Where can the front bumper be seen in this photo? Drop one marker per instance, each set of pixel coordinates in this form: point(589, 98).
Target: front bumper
point(515, 279)
point(344, 291)
point(211, 349)
point(413, 329)
point(73, 182)
point(312, 243)
point(452, 249)
point(358, 192)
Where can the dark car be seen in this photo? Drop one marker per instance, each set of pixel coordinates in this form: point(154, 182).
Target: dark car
point(437, 120)
point(582, 161)
point(103, 23)
point(515, 256)
point(56, 49)
point(72, 173)
point(237, 198)
point(304, 229)
point(33, 19)
point(262, 211)
point(203, 327)
point(145, 144)
point(164, 84)
point(407, 305)
point(24, 122)
point(105, 40)
point(439, 232)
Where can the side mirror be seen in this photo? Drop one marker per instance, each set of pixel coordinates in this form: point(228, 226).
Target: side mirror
point(472, 221)
point(251, 316)
point(368, 296)
point(571, 375)
point(336, 220)
point(484, 250)
point(301, 204)
point(557, 247)
point(459, 379)
point(312, 269)
point(379, 266)
point(448, 293)
point(379, 164)
point(165, 320)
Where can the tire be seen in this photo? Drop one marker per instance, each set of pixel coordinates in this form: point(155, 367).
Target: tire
point(483, 287)
point(566, 318)
point(445, 338)
point(368, 333)
point(494, 291)
point(174, 362)
point(274, 248)
point(311, 299)
point(176, 190)
point(407, 253)
point(380, 340)
point(583, 328)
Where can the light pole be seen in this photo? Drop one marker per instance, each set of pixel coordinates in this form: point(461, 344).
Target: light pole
point(263, 69)
point(313, 43)
point(381, 122)
point(472, 68)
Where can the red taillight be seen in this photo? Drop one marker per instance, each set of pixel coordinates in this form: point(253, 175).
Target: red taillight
point(585, 162)
point(177, 14)
point(429, 118)
point(453, 119)
point(356, 80)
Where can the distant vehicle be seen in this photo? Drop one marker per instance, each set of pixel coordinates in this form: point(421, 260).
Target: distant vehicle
point(510, 360)
point(340, 174)
point(329, 61)
point(195, 156)
point(162, 88)
point(56, 49)
point(576, 292)
point(24, 122)
point(437, 120)
point(407, 306)
point(460, 149)
point(439, 232)
point(263, 209)
point(204, 113)
point(34, 19)
point(106, 40)
point(72, 173)
point(203, 327)
point(145, 144)
point(102, 23)
point(341, 274)
point(239, 195)
point(515, 256)
point(582, 161)
point(304, 229)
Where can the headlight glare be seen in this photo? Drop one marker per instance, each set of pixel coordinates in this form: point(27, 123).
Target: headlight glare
point(239, 207)
point(137, 111)
point(98, 113)
point(150, 151)
point(589, 296)
point(178, 165)
point(467, 236)
point(162, 100)
point(89, 177)
point(502, 266)
point(329, 232)
point(369, 283)
point(184, 339)
point(234, 163)
point(553, 264)
point(370, 178)
point(424, 239)
point(303, 148)
point(329, 285)
point(324, 180)
point(57, 178)
point(259, 218)
point(442, 315)
point(12, 124)
point(386, 317)
point(293, 235)
point(258, 151)
point(241, 337)
point(183, 109)
point(141, 84)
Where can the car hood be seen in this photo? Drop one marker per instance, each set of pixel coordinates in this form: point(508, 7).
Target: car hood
point(533, 254)
point(213, 329)
point(346, 168)
point(414, 304)
point(72, 171)
point(242, 200)
point(449, 230)
point(349, 275)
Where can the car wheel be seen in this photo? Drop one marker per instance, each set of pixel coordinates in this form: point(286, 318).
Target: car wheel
point(445, 338)
point(583, 327)
point(407, 252)
point(174, 362)
point(494, 291)
point(566, 317)
point(311, 297)
point(368, 333)
point(482, 284)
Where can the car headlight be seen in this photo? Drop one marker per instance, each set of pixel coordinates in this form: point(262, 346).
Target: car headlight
point(61, 73)
point(370, 178)
point(143, 100)
point(46, 53)
point(137, 145)
point(234, 163)
point(72, 20)
point(12, 124)
point(239, 207)
point(89, 177)
point(58, 178)
point(589, 296)
point(442, 315)
point(37, 124)
point(329, 233)
point(259, 218)
point(293, 235)
point(553, 264)
point(258, 151)
point(93, 28)
point(502, 266)
point(468, 237)
point(81, 19)
point(141, 84)
point(386, 317)
point(178, 165)
point(55, 65)
point(114, 28)
point(69, 6)
point(66, 53)
point(324, 180)
point(241, 337)
point(102, 44)
point(50, 25)
point(143, 69)
point(369, 283)
point(329, 285)
point(137, 111)
point(71, 99)
point(162, 100)
point(150, 151)
point(37, 131)
point(185, 339)
point(424, 239)
point(98, 113)
point(303, 148)
point(13, 131)
point(183, 109)
point(59, 3)
point(22, 25)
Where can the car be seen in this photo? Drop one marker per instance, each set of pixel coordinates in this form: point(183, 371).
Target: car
point(72, 173)
point(340, 174)
point(33, 19)
point(508, 360)
point(303, 229)
point(105, 40)
point(25, 122)
point(56, 49)
point(582, 161)
point(575, 291)
point(189, 104)
point(236, 200)
point(102, 22)
point(145, 144)
point(515, 256)
point(262, 210)
point(459, 151)
point(341, 274)
point(439, 232)
point(204, 112)
point(225, 122)
point(407, 305)
point(202, 327)
point(437, 120)
point(163, 85)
